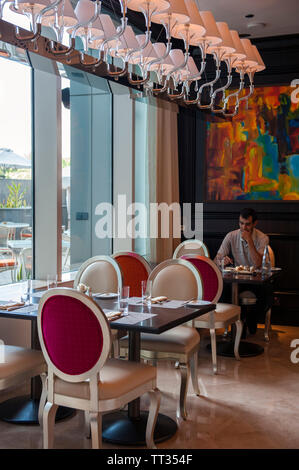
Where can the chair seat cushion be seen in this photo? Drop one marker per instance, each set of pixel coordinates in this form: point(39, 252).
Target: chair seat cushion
point(180, 340)
point(20, 363)
point(117, 378)
point(224, 313)
point(7, 262)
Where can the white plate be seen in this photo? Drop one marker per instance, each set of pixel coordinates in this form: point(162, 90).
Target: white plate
point(275, 269)
point(107, 295)
point(198, 303)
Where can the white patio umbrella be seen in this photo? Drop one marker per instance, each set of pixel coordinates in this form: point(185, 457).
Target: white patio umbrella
point(9, 159)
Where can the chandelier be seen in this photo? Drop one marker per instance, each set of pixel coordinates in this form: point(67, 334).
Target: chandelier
point(156, 66)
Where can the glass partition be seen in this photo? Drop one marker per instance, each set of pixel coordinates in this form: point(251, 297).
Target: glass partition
point(15, 165)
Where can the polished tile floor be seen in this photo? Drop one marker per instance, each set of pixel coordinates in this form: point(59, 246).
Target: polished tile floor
point(251, 404)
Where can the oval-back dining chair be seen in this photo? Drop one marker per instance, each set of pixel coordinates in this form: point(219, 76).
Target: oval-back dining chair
point(134, 269)
point(102, 275)
point(179, 280)
point(191, 247)
point(225, 314)
point(80, 375)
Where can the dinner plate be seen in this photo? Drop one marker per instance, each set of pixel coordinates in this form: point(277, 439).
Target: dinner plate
point(107, 295)
point(198, 303)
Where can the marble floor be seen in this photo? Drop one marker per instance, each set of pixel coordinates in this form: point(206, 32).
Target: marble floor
point(251, 404)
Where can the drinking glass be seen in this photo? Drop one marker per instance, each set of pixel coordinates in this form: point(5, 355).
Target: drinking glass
point(124, 300)
point(143, 290)
point(51, 281)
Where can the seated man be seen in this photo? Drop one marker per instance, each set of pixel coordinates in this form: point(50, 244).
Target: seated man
point(246, 247)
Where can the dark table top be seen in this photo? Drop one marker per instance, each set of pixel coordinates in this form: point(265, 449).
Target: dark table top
point(164, 319)
point(256, 278)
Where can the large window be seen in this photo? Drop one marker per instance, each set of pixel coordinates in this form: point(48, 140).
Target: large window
point(15, 166)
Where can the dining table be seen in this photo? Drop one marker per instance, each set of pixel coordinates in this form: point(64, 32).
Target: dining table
point(127, 427)
point(236, 279)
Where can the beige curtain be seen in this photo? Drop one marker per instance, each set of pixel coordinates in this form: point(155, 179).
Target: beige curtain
point(156, 168)
point(167, 170)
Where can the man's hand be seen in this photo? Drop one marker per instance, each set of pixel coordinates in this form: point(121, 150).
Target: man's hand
point(247, 237)
point(227, 260)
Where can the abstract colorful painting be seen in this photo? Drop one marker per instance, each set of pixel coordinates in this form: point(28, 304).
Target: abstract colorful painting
point(255, 155)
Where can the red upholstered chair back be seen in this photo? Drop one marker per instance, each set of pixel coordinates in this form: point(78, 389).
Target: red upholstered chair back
point(212, 283)
point(134, 269)
point(74, 334)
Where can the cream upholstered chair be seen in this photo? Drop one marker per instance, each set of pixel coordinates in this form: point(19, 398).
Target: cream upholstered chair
point(179, 280)
point(20, 364)
point(80, 375)
point(249, 298)
point(225, 314)
point(102, 275)
point(191, 247)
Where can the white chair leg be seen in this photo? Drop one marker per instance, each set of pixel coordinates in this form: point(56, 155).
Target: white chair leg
point(96, 430)
point(43, 398)
point(115, 350)
point(214, 350)
point(267, 325)
point(155, 399)
point(194, 372)
point(185, 373)
point(239, 326)
point(48, 424)
point(87, 425)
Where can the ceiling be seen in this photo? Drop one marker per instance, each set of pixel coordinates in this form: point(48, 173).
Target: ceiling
point(279, 16)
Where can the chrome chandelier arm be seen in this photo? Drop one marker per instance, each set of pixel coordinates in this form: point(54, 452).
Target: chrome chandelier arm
point(236, 93)
point(244, 98)
point(105, 53)
point(36, 25)
point(223, 88)
point(160, 60)
point(209, 84)
point(72, 44)
point(176, 69)
point(194, 78)
point(2, 3)
point(167, 27)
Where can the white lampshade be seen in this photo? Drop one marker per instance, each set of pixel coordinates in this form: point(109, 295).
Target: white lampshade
point(239, 54)
point(227, 44)
point(196, 27)
point(148, 53)
point(160, 49)
point(213, 35)
point(69, 17)
point(260, 63)
point(29, 8)
point(178, 57)
point(85, 10)
point(176, 14)
point(193, 70)
point(108, 26)
point(128, 42)
point(250, 60)
point(152, 6)
point(105, 24)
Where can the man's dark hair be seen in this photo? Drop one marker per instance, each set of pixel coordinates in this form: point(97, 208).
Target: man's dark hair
point(248, 212)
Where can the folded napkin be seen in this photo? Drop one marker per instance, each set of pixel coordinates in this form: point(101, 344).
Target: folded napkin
point(113, 315)
point(12, 306)
point(157, 300)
